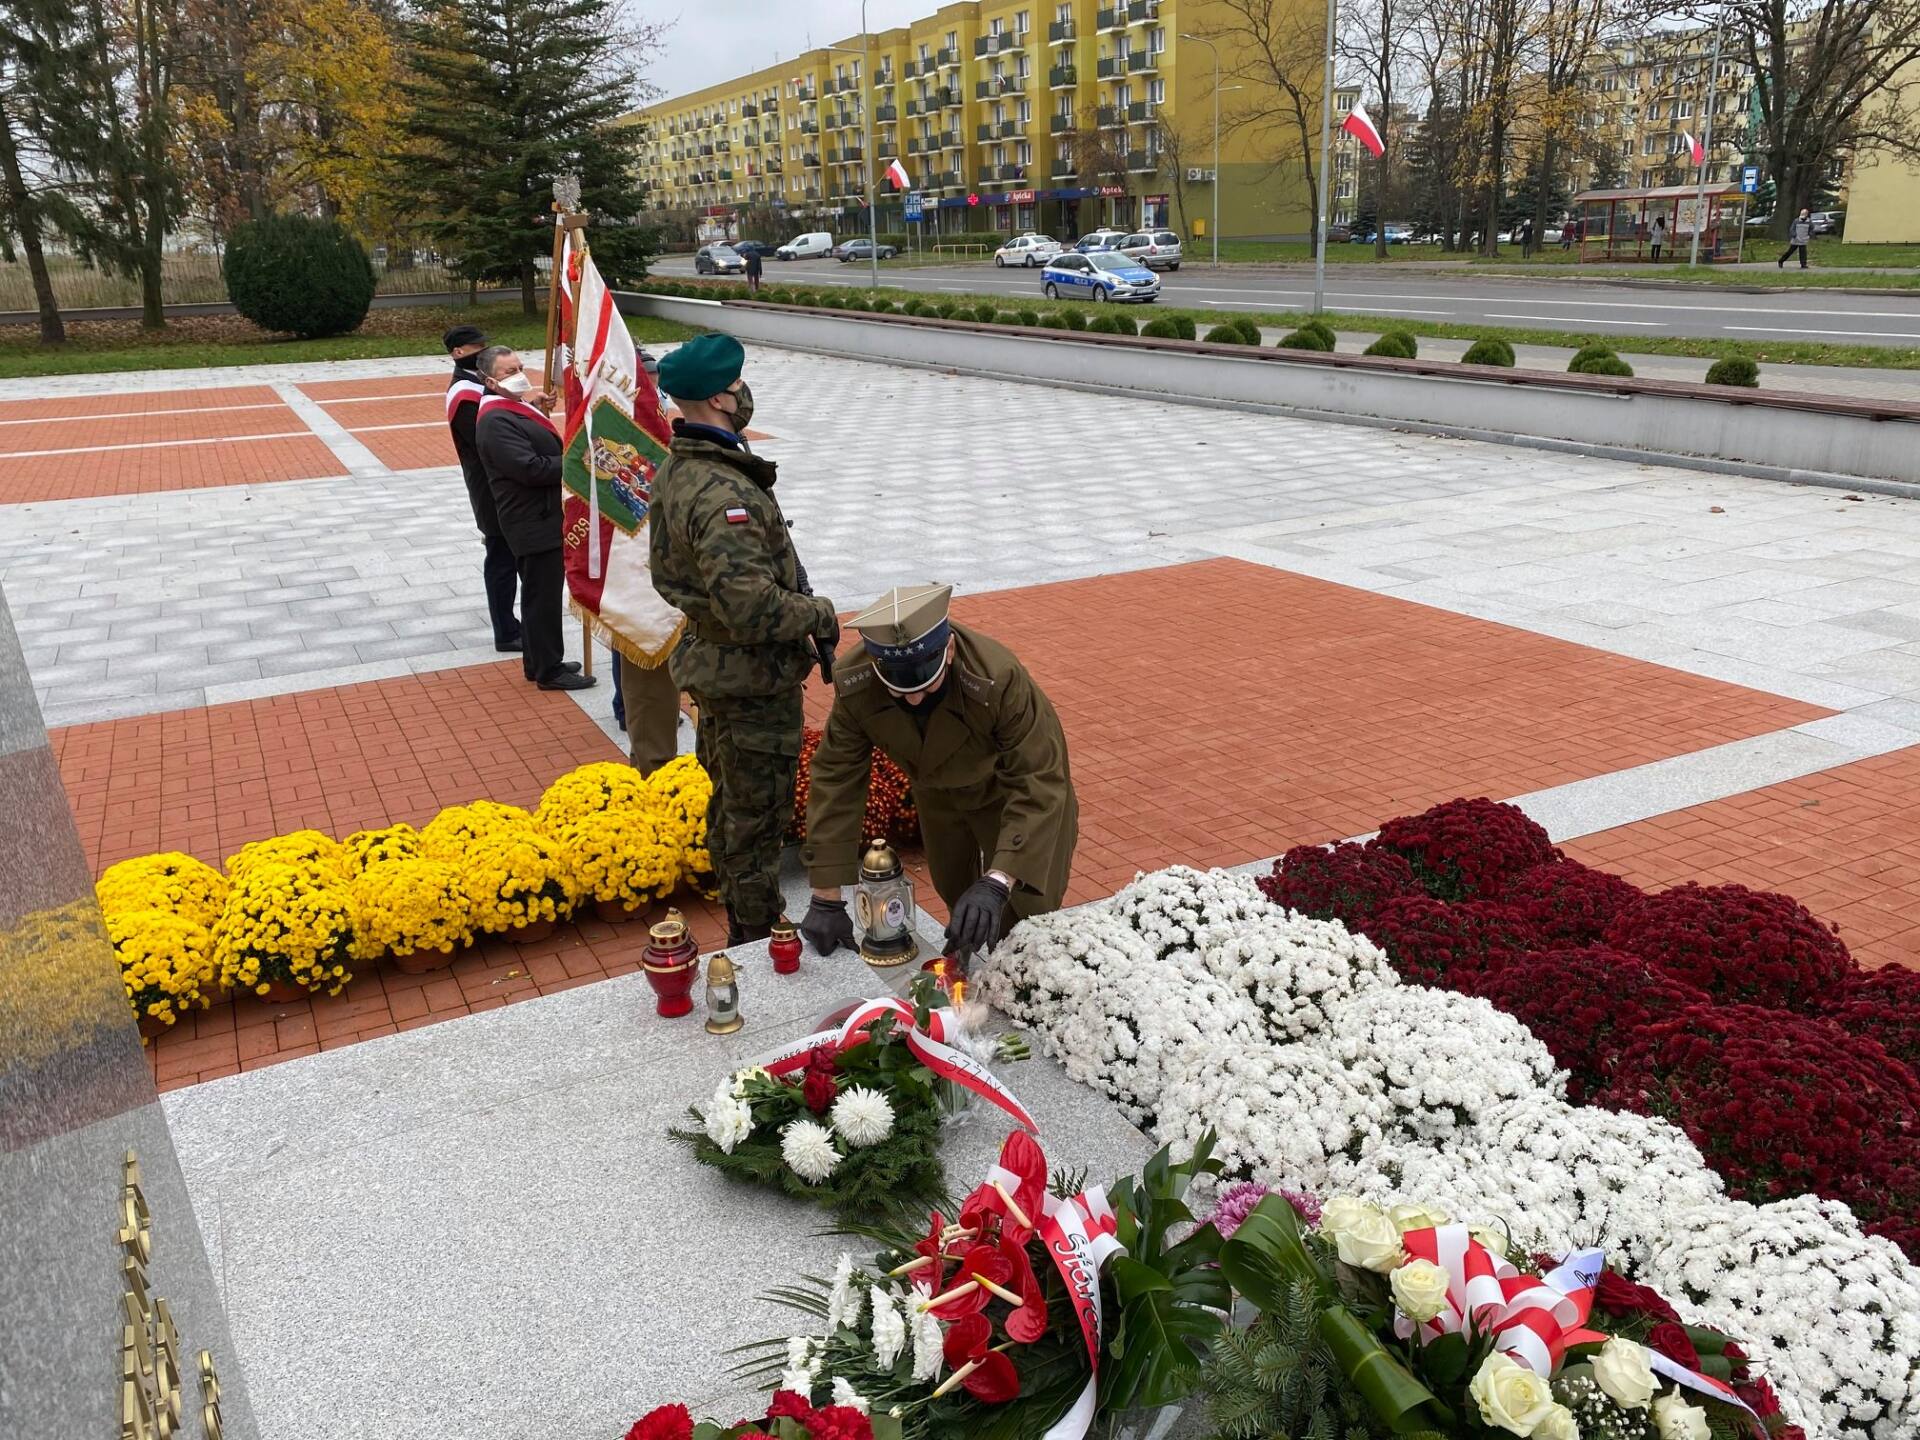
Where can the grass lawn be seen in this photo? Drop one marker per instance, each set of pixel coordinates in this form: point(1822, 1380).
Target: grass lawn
point(109, 345)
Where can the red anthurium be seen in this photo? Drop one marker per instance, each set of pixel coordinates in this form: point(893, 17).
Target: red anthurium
point(980, 1263)
point(968, 1338)
point(1028, 1321)
point(929, 1278)
point(987, 1375)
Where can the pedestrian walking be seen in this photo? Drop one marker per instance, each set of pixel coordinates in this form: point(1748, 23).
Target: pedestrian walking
point(753, 271)
point(1526, 240)
point(721, 555)
point(984, 751)
point(1799, 236)
point(498, 571)
point(1659, 236)
point(520, 447)
point(1569, 231)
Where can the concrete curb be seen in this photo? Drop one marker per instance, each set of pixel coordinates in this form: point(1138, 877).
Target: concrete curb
point(1838, 441)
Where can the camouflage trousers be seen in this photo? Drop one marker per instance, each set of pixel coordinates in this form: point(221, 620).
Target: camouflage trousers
point(750, 747)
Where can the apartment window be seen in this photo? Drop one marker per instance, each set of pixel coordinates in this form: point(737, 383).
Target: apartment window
point(1023, 153)
point(1626, 148)
point(1682, 109)
point(1157, 91)
point(953, 41)
point(999, 155)
point(1025, 111)
point(1063, 107)
point(1653, 111)
point(994, 27)
point(1022, 65)
point(1063, 12)
point(924, 53)
point(1126, 96)
point(1156, 39)
point(1651, 147)
point(1021, 24)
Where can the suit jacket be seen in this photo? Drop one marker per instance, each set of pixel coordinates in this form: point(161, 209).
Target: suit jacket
point(520, 449)
point(464, 393)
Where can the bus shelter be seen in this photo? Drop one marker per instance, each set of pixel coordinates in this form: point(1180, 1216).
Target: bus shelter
point(1621, 224)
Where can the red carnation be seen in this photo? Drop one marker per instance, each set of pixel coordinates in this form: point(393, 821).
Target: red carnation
point(1432, 943)
point(1672, 1341)
point(1739, 945)
point(840, 1422)
point(669, 1422)
point(790, 1405)
point(1567, 902)
point(1468, 849)
point(1344, 882)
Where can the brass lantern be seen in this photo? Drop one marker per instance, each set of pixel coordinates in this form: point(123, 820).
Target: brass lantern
point(883, 905)
point(723, 997)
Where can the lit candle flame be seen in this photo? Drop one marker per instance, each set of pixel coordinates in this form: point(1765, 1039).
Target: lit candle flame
point(958, 990)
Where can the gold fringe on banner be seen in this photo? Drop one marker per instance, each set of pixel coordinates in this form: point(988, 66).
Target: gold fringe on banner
point(630, 650)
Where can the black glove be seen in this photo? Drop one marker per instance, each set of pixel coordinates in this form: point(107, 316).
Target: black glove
point(976, 916)
point(825, 641)
point(827, 926)
point(825, 654)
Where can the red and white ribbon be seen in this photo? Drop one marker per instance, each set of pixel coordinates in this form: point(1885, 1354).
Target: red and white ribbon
point(463, 392)
point(518, 407)
point(1080, 1236)
point(929, 1047)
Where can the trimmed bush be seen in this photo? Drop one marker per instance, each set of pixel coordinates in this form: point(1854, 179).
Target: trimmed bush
point(1006, 317)
point(1395, 344)
point(1075, 319)
point(946, 309)
point(1124, 324)
point(1602, 365)
point(1304, 340)
point(1184, 327)
point(1161, 327)
point(911, 307)
point(1734, 370)
point(299, 276)
point(1248, 328)
point(986, 314)
point(1324, 331)
point(1490, 351)
point(1225, 335)
point(1591, 351)
point(1029, 317)
point(1053, 320)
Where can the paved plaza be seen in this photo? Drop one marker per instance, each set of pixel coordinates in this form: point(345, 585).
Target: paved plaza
point(264, 612)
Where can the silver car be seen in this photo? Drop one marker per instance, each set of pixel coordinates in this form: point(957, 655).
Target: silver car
point(718, 260)
point(1155, 249)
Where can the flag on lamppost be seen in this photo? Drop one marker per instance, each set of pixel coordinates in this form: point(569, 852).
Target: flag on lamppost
point(1362, 128)
point(897, 173)
point(1696, 152)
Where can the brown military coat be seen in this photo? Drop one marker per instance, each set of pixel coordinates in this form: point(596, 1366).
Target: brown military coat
point(990, 776)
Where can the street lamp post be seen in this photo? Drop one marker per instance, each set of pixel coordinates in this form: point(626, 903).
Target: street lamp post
point(1202, 40)
point(866, 112)
point(1706, 142)
point(1326, 146)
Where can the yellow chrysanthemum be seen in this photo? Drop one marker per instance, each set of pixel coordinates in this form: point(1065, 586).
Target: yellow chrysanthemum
point(280, 926)
point(166, 962)
point(176, 883)
point(588, 790)
point(321, 860)
point(453, 831)
point(367, 848)
point(516, 877)
point(409, 905)
point(620, 855)
point(681, 791)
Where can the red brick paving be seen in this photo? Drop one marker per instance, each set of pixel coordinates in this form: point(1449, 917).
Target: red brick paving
point(1845, 843)
point(1243, 710)
point(136, 402)
point(410, 449)
point(188, 467)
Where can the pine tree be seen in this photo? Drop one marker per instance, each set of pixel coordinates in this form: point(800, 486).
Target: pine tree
point(506, 95)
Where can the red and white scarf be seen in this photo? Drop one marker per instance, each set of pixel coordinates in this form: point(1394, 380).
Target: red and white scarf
point(496, 403)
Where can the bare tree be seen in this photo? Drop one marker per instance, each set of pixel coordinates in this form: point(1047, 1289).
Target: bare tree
point(1178, 151)
point(1274, 48)
point(1374, 44)
point(1568, 35)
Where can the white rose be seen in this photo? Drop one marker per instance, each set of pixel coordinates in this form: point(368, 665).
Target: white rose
point(1363, 1234)
point(1557, 1424)
point(1622, 1372)
point(1418, 1217)
point(1510, 1395)
point(1677, 1420)
point(1419, 1289)
point(1493, 1241)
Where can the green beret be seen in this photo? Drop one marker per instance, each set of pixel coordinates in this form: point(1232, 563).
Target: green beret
point(702, 368)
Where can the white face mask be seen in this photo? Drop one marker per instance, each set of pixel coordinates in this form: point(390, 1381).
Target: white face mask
point(515, 384)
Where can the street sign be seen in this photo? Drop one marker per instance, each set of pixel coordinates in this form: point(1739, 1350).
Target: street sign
point(973, 199)
point(1750, 179)
point(914, 210)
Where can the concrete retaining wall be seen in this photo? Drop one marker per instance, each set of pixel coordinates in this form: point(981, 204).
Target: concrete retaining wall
point(1833, 440)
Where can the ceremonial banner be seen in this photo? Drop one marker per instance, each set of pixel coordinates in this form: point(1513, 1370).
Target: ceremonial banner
point(615, 438)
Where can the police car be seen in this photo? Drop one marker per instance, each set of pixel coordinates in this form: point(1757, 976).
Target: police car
point(1105, 275)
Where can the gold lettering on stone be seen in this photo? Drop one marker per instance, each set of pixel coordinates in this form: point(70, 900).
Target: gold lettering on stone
point(152, 1386)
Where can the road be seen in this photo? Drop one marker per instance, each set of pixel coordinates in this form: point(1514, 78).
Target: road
point(1613, 310)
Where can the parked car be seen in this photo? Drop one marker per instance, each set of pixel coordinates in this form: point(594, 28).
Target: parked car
point(1098, 240)
point(1398, 234)
point(1155, 249)
point(860, 250)
point(814, 245)
point(1105, 275)
point(753, 247)
point(1027, 251)
point(1828, 222)
point(719, 260)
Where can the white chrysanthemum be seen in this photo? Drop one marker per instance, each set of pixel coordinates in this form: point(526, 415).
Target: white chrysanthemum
point(889, 1329)
point(862, 1117)
point(729, 1120)
point(929, 1342)
point(844, 1299)
point(845, 1394)
point(800, 1353)
point(808, 1150)
point(800, 1382)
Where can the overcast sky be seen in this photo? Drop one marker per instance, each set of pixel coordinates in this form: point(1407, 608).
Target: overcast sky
point(716, 40)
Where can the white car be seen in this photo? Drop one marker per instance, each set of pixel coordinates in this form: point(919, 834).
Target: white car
point(1026, 251)
point(814, 245)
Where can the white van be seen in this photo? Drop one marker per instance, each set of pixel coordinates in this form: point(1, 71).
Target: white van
point(815, 245)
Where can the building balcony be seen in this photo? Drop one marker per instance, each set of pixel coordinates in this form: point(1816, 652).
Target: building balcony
point(1104, 20)
point(1065, 167)
point(910, 69)
point(749, 112)
point(1140, 11)
point(913, 107)
point(812, 162)
point(1139, 112)
point(947, 57)
point(951, 140)
point(883, 80)
point(1108, 117)
point(1062, 77)
point(1006, 129)
point(1141, 60)
point(726, 174)
point(1061, 32)
point(807, 96)
point(885, 114)
point(913, 147)
point(947, 99)
point(809, 127)
point(1110, 68)
point(1140, 162)
point(1061, 125)
point(983, 132)
point(944, 180)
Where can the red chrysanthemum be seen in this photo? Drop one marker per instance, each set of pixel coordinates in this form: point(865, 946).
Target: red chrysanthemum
point(1741, 946)
point(669, 1422)
point(890, 808)
point(1783, 1104)
point(1434, 943)
point(1567, 902)
point(1582, 1004)
point(1884, 1005)
point(1468, 849)
point(1345, 882)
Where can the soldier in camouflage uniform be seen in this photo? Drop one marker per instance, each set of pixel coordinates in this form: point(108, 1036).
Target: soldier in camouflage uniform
point(722, 556)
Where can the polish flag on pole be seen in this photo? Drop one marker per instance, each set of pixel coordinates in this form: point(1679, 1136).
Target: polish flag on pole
point(1365, 131)
point(1696, 152)
point(897, 173)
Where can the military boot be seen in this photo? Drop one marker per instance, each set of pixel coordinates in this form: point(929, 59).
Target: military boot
point(739, 934)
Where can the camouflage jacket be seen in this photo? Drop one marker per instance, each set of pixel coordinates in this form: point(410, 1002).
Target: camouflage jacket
point(722, 556)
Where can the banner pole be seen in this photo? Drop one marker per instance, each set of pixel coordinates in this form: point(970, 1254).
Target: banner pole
point(553, 295)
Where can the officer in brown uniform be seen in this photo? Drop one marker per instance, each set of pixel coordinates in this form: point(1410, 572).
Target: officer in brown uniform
point(986, 757)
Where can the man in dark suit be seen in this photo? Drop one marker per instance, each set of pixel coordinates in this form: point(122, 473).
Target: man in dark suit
point(465, 390)
point(520, 448)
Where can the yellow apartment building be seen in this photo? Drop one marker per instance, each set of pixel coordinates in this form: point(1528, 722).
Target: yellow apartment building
point(1008, 115)
point(1643, 98)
